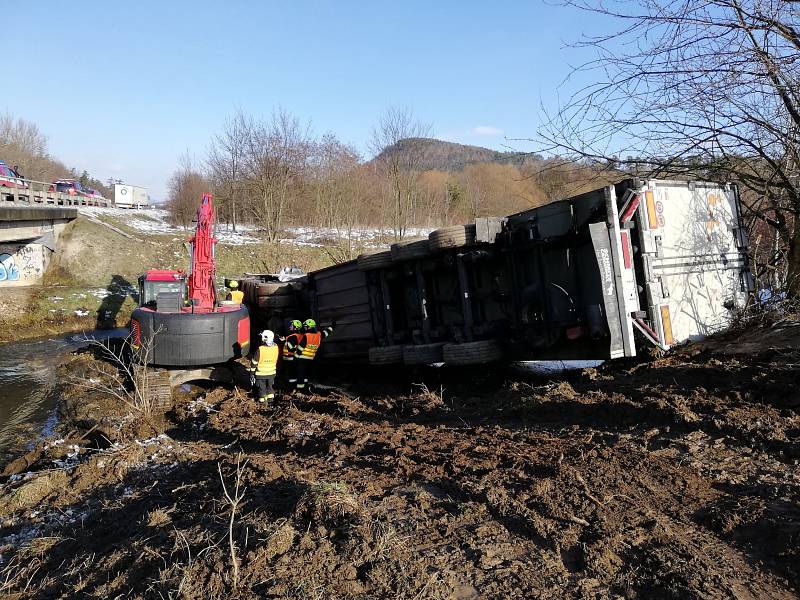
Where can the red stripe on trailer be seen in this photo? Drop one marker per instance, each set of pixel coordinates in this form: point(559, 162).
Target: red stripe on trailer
point(626, 216)
point(626, 248)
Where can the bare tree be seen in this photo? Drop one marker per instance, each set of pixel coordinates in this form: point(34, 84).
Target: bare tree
point(226, 163)
point(276, 157)
point(234, 500)
point(23, 145)
point(186, 188)
point(696, 88)
point(399, 157)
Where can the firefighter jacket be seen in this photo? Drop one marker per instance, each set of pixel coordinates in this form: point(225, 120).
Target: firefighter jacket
point(265, 361)
point(290, 345)
point(310, 342)
point(236, 296)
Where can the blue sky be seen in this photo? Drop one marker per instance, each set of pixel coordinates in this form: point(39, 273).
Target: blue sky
point(122, 88)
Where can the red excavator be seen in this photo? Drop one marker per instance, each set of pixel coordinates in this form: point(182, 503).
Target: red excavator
point(180, 321)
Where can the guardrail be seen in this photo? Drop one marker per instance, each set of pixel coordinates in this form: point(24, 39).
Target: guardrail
point(40, 192)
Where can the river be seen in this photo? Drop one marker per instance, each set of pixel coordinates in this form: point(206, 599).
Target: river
point(28, 394)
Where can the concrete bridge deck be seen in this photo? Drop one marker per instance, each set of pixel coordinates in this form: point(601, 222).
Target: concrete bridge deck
point(18, 223)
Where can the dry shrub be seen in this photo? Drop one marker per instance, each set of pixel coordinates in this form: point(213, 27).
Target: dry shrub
point(329, 503)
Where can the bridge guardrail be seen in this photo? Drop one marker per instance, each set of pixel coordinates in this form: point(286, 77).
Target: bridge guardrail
point(39, 193)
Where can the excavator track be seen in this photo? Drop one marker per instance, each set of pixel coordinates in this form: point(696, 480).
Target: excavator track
point(157, 383)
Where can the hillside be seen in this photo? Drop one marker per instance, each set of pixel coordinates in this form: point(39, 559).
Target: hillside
point(439, 155)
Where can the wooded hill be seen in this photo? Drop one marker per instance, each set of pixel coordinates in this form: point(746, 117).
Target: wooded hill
point(439, 155)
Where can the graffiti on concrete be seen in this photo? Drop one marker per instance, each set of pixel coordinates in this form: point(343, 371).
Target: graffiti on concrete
point(21, 264)
point(9, 271)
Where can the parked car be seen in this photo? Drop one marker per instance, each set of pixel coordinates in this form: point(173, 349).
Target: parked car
point(72, 187)
point(9, 177)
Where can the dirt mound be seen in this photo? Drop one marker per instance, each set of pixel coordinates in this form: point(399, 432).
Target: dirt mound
point(669, 478)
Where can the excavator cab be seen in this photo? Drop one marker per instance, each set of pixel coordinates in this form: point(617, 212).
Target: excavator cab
point(168, 284)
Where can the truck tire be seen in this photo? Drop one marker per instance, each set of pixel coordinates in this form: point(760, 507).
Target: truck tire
point(274, 288)
point(424, 354)
point(369, 262)
point(277, 301)
point(385, 355)
point(472, 353)
point(410, 250)
point(452, 237)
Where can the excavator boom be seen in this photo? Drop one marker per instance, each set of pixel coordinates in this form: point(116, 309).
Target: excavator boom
point(202, 291)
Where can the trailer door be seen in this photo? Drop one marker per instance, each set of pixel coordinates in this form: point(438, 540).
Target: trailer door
point(694, 256)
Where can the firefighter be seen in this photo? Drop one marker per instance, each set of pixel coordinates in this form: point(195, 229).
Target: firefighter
point(263, 367)
point(290, 342)
point(306, 350)
point(234, 293)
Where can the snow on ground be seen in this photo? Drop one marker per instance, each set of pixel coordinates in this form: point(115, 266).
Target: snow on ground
point(363, 236)
point(156, 221)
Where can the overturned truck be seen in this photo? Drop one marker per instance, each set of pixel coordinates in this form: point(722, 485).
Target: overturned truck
point(594, 276)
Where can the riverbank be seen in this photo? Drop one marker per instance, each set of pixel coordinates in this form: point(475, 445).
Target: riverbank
point(59, 309)
point(674, 477)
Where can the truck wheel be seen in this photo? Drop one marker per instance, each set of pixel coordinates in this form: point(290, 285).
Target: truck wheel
point(271, 288)
point(278, 301)
point(379, 260)
point(385, 355)
point(472, 353)
point(424, 354)
point(452, 237)
point(410, 250)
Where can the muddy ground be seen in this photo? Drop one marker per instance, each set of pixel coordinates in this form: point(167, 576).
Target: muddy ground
point(673, 477)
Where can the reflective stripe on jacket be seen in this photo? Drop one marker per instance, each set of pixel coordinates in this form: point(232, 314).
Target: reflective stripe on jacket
point(310, 343)
point(265, 361)
point(290, 345)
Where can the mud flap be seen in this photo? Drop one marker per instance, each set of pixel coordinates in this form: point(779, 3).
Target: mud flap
point(602, 251)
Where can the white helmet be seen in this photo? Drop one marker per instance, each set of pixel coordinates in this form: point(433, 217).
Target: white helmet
point(267, 337)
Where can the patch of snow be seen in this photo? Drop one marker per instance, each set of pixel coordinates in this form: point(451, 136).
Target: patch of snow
point(361, 236)
point(82, 313)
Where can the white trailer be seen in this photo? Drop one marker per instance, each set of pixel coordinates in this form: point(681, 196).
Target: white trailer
point(130, 196)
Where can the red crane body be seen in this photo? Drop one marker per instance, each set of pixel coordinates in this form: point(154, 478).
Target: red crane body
point(202, 291)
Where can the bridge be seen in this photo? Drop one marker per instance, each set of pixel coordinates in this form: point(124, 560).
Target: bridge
point(28, 239)
point(33, 214)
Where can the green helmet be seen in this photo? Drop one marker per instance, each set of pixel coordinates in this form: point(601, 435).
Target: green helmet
point(233, 284)
point(310, 324)
point(295, 324)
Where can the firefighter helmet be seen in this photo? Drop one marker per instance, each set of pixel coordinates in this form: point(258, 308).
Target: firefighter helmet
point(309, 324)
point(295, 325)
point(233, 284)
point(267, 337)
